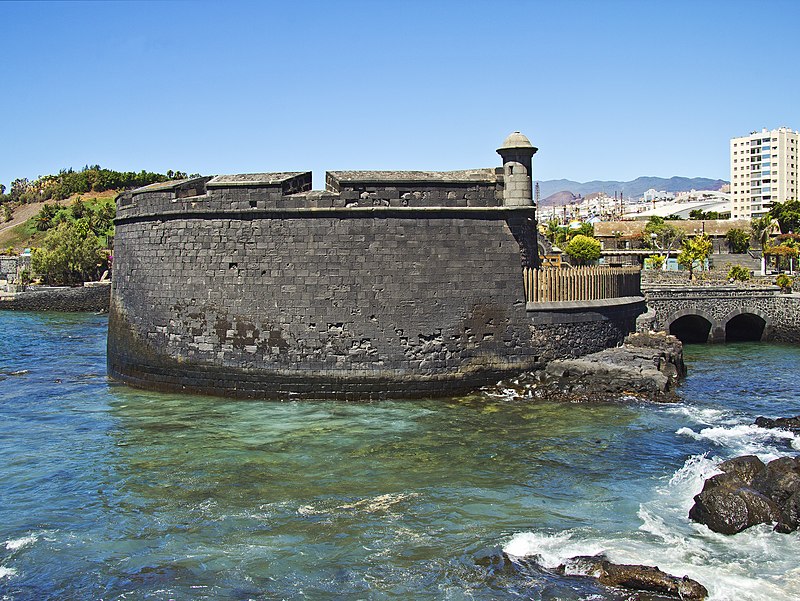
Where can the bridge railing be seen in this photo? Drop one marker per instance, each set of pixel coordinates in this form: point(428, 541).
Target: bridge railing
point(581, 283)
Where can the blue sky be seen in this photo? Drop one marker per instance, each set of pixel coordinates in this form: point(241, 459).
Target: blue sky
point(605, 89)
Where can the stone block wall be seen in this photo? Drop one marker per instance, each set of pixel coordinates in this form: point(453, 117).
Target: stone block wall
point(474, 188)
point(387, 284)
point(349, 303)
point(574, 329)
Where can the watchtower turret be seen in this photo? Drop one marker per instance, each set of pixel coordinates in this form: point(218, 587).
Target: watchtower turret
point(517, 153)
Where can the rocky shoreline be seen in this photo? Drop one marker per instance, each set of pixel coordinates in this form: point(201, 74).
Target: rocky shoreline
point(92, 297)
point(648, 365)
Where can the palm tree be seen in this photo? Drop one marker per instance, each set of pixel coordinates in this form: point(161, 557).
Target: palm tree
point(761, 228)
point(44, 219)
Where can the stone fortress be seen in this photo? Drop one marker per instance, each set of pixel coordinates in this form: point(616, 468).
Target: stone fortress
point(387, 284)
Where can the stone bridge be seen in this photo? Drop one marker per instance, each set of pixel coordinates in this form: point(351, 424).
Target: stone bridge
point(722, 313)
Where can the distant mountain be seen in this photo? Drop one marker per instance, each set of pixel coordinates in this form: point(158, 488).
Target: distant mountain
point(631, 189)
point(564, 197)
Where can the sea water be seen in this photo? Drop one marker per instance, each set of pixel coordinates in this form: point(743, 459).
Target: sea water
point(107, 492)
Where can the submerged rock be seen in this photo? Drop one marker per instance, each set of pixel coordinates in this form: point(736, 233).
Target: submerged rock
point(646, 365)
point(635, 577)
point(749, 493)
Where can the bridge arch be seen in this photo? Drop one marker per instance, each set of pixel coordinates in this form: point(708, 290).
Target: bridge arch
point(747, 324)
point(695, 326)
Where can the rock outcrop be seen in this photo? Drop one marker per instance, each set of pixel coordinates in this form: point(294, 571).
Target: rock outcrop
point(635, 577)
point(656, 584)
point(646, 365)
point(747, 493)
point(784, 423)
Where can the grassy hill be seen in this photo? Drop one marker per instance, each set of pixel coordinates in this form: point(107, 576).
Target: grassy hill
point(22, 232)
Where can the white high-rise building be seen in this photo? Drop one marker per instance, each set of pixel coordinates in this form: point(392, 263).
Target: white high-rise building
point(764, 170)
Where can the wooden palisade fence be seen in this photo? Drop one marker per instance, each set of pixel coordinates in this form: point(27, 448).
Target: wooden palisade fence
point(582, 283)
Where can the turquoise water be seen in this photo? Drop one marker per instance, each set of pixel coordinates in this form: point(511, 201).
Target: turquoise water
point(107, 492)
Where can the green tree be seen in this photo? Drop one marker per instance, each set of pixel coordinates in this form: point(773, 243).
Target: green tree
point(661, 235)
point(585, 229)
point(78, 208)
point(738, 241)
point(583, 249)
point(552, 230)
point(694, 250)
point(44, 218)
point(761, 228)
point(71, 254)
point(8, 213)
point(19, 188)
point(787, 214)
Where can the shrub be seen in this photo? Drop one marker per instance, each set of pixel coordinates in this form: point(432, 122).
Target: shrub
point(737, 273)
point(785, 282)
point(656, 261)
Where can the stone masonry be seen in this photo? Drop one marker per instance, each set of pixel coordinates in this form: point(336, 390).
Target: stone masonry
point(386, 284)
point(719, 305)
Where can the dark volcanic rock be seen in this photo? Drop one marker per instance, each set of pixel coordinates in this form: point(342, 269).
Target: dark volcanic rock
point(636, 577)
point(647, 364)
point(727, 505)
point(744, 467)
point(750, 493)
point(784, 423)
point(780, 479)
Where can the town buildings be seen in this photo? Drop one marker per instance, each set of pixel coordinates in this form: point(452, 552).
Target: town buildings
point(764, 170)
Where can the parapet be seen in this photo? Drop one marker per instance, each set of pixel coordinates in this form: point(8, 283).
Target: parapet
point(288, 182)
point(471, 188)
point(489, 189)
point(466, 188)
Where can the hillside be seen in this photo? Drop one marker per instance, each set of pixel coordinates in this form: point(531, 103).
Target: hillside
point(21, 233)
point(632, 188)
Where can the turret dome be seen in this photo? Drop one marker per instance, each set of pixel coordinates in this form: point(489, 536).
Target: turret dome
point(515, 140)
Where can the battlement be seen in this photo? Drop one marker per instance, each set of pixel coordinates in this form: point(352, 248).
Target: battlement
point(474, 188)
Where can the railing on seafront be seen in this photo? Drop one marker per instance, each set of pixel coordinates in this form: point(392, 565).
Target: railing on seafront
point(582, 283)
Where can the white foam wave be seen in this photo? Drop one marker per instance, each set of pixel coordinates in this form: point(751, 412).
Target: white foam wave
point(754, 565)
point(18, 543)
point(7, 572)
point(746, 567)
point(551, 550)
point(758, 566)
point(702, 415)
point(744, 439)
